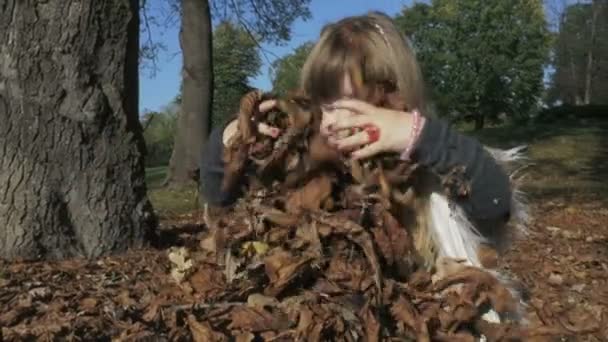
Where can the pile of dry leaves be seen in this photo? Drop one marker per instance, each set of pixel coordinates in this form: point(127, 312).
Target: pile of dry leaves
point(314, 249)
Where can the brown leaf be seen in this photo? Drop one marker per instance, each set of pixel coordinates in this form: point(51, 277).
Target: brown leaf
point(125, 300)
point(321, 152)
point(299, 115)
point(280, 218)
point(258, 300)
point(441, 336)
point(202, 332)
point(88, 304)
point(208, 282)
point(254, 319)
point(500, 297)
point(310, 197)
point(14, 315)
point(307, 328)
point(214, 241)
point(281, 268)
point(244, 337)
point(402, 310)
point(488, 256)
point(372, 326)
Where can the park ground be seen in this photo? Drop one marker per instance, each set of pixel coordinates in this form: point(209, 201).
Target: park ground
point(561, 263)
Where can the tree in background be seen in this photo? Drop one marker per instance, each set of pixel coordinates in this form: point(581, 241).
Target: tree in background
point(264, 20)
point(194, 121)
point(72, 179)
point(481, 58)
point(286, 70)
point(159, 134)
point(236, 60)
point(580, 55)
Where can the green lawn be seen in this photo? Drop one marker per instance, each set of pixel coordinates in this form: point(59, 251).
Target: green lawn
point(569, 161)
point(569, 157)
point(169, 201)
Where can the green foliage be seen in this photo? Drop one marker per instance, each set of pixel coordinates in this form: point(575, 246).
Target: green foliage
point(235, 61)
point(286, 70)
point(159, 132)
point(482, 58)
point(582, 31)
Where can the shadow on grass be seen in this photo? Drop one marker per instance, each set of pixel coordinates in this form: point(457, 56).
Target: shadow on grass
point(569, 157)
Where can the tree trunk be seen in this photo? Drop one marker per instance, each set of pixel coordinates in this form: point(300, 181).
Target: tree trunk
point(589, 67)
point(194, 121)
point(72, 179)
point(480, 121)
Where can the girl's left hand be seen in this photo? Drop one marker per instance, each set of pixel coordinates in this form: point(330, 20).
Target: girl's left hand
point(382, 129)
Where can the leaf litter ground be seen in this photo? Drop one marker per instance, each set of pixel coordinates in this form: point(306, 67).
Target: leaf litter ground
point(317, 255)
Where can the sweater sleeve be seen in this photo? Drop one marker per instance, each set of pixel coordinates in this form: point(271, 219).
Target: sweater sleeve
point(441, 148)
point(212, 170)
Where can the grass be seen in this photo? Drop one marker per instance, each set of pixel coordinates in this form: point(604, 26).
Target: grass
point(569, 161)
point(569, 157)
point(169, 201)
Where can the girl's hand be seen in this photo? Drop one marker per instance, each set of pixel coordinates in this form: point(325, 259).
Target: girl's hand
point(382, 129)
point(263, 128)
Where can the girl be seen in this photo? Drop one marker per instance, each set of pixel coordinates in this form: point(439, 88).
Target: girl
point(352, 58)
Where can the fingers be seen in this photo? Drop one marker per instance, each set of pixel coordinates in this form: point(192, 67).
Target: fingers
point(353, 121)
point(268, 130)
point(354, 105)
point(367, 151)
point(267, 105)
point(330, 116)
point(350, 143)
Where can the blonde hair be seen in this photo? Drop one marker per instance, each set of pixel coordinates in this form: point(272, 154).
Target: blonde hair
point(371, 50)
point(380, 61)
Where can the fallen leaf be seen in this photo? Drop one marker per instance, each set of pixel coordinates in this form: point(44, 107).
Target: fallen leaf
point(281, 268)
point(254, 319)
point(202, 332)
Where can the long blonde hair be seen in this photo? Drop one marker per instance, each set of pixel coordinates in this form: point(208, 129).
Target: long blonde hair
point(379, 60)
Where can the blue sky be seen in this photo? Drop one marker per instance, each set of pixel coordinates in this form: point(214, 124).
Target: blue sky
point(158, 90)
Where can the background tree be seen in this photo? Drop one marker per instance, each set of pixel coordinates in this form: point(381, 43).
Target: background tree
point(481, 58)
point(159, 134)
point(286, 70)
point(580, 55)
point(194, 121)
point(236, 60)
point(264, 20)
point(71, 150)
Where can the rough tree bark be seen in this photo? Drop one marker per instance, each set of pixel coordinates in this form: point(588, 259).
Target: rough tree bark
point(72, 179)
point(194, 121)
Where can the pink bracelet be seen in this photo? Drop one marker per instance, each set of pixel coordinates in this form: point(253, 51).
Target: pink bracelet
point(417, 125)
